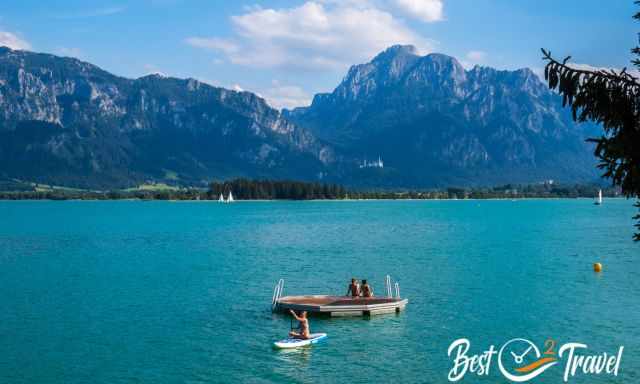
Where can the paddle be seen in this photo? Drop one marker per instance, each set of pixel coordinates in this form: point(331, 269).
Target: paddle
point(292, 327)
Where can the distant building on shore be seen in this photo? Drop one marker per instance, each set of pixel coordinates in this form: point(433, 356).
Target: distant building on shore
point(372, 164)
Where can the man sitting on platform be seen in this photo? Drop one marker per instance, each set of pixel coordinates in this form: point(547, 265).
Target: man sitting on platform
point(354, 288)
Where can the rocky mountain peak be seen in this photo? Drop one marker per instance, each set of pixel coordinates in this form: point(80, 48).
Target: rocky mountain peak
point(443, 65)
point(397, 65)
point(394, 52)
point(429, 110)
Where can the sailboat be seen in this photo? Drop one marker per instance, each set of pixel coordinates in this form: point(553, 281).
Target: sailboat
point(599, 199)
point(230, 198)
point(221, 199)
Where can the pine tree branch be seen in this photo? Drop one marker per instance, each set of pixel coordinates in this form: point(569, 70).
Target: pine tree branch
point(623, 76)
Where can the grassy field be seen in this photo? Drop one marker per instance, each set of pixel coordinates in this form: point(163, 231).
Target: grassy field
point(15, 185)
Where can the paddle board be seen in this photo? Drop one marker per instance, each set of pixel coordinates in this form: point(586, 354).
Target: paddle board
point(295, 343)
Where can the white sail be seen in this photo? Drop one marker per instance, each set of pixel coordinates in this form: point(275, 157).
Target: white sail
point(221, 198)
point(230, 198)
point(599, 198)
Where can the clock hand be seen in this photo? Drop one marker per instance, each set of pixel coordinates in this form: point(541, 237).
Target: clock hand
point(525, 352)
point(514, 355)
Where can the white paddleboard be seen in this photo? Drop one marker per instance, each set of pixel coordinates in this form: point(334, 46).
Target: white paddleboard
point(295, 343)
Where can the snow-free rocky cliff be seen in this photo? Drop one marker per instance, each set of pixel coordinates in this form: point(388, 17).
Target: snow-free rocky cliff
point(435, 123)
point(67, 122)
point(64, 121)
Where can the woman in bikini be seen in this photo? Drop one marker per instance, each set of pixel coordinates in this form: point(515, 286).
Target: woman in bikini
point(303, 327)
point(366, 289)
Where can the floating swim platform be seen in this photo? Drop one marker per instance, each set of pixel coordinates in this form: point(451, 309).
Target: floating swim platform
point(332, 305)
point(341, 305)
point(295, 343)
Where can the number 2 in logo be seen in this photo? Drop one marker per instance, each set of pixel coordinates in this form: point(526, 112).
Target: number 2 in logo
point(550, 345)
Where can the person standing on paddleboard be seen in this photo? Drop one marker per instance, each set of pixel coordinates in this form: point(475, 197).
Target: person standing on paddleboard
point(303, 327)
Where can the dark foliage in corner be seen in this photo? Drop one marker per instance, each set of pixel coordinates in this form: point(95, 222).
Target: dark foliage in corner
point(611, 99)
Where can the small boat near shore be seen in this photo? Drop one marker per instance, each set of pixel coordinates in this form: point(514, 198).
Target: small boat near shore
point(599, 198)
point(229, 199)
point(332, 305)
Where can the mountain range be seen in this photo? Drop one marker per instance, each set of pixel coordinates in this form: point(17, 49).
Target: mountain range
point(433, 123)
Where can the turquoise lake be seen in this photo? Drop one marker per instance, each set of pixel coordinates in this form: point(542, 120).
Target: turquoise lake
point(180, 292)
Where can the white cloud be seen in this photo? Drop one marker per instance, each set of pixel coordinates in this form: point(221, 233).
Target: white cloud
point(151, 69)
point(588, 67)
point(317, 35)
point(277, 95)
point(12, 41)
point(632, 71)
point(97, 12)
point(286, 96)
point(473, 58)
point(427, 11)
point(476, 55)
point(213, 43)
point(539, 71)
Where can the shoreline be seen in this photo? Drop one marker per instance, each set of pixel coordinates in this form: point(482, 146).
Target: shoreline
point(327, 200)
point(291, 190)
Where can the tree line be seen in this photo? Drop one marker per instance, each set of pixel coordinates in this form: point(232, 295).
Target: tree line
point(246, 189)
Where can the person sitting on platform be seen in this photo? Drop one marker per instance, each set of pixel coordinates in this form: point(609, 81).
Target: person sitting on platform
point(366, 289)
point(303, 333)
point(354, 288)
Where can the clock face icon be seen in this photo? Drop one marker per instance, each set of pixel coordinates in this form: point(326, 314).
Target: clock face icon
point(520, 352)
point(520, 360)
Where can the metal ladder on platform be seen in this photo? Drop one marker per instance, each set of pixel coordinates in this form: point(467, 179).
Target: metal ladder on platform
point(389, 290)
point(277, 294)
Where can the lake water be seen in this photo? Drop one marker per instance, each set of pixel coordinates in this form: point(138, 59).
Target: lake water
point(179, 292)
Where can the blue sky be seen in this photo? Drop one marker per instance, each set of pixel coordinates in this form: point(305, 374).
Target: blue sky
point(286, 50)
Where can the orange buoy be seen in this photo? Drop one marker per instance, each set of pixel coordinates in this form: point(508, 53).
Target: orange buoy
point(597, 267)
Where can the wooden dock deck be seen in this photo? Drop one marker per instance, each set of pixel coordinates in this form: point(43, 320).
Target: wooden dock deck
point(341, 305)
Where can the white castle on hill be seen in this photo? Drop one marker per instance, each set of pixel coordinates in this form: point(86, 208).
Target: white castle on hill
point(372, 164)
